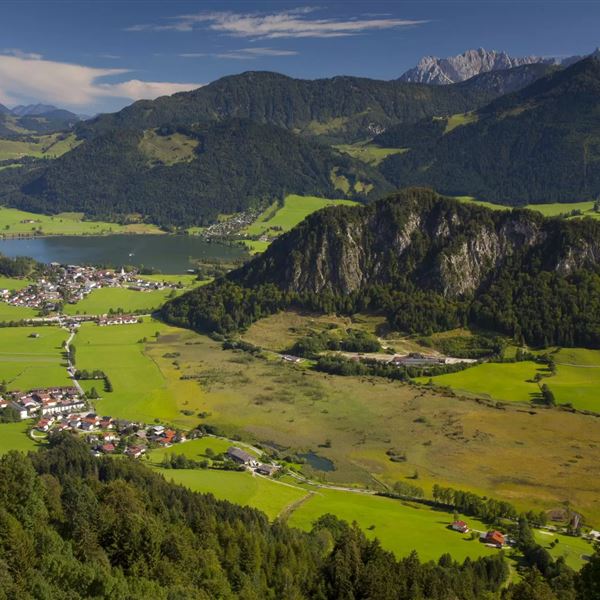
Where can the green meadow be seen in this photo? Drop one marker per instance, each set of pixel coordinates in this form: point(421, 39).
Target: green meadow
point(552, 209)
point(241, 488)
point(576, 382)
point(400, 526)
point(27, 362)
point(15, 222)
point(12, 283)
point(294, 210)
point(100, 301)
point(369, 153)
point(44, 146)
point(509, 382)
point(13, 436)
point(141, 391)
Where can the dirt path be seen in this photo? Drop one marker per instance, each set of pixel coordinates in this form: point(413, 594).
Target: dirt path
point(287, 511)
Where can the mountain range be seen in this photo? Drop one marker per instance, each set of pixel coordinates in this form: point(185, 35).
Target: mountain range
point(453, 69)
point(235, 144)
point(29, 119)
point(429, 263)
point(515, 136)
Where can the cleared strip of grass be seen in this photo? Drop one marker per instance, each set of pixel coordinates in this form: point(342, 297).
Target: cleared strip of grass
point(242, 488)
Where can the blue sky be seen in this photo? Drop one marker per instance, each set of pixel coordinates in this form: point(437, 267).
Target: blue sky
point(99, 55)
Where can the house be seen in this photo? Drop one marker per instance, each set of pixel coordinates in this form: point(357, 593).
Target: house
point(460, 526)
point(135, 451)
point(241, 457)
point(44, 424)
point(495, 538)
point(107, 448)
point(267, 470)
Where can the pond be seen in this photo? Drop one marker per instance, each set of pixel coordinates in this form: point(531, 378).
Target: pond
point(166, 253)
point(319, 463)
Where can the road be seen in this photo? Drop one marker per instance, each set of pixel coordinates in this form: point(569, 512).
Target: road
point(70, 365)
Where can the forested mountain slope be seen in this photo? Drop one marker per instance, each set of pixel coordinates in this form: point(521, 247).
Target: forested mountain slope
point(431, 263)
point(540, 144)
point(187, 176)
point(336, 109)
point(73, 526)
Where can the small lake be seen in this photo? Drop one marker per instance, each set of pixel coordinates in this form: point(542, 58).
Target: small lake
point(319, 463)
point(166, 253)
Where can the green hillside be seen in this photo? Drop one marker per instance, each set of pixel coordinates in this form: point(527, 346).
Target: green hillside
point(189, 176)
point(540, 144)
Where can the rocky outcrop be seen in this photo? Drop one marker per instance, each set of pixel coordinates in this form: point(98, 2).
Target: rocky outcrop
point(420, 238)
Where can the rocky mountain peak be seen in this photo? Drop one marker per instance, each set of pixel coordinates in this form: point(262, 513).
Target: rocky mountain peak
point(453, 69)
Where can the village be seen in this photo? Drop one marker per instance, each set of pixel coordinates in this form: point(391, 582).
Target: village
point(69, 284)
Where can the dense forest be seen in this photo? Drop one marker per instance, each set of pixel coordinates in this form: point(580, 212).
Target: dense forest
point(21, 266)
point(429, 263)
point(539, 144)
point(73, 526)
point(227, 166)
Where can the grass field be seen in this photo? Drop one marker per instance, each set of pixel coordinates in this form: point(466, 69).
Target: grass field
point(27, 362)
point(13, 436)
point(8, 312)
point(100, 301)
point(15, 222)
point(547, 209)
point(449, 441)
point(142, 391)
point(45, 146)
point(576, 382)
point(11, 283)
point(295, 209)
point(369, 153)
point(460, 119)
point(241, 488)
point(509, 382)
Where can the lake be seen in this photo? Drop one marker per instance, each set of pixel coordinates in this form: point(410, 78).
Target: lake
point(166, 253)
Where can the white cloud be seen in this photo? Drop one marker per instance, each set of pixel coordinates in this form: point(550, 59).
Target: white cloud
point(20, 54)
point(296, 23)
point(25, 79)
point(241, 53)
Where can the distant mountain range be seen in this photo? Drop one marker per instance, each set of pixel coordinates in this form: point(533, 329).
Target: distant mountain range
point(35, 118)
point(453, 69)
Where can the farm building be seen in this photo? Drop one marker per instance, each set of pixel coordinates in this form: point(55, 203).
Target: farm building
point(495, 538)
point(460, 526)
point(241, 457)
